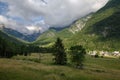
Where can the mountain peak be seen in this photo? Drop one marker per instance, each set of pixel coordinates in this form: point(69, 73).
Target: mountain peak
point(18, 34)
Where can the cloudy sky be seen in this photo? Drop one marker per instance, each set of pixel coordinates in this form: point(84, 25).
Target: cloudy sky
point(29, 16)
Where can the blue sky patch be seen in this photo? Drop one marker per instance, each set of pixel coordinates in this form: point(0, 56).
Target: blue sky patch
point(3, 8)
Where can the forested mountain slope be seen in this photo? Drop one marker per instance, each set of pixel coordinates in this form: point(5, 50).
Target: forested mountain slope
point(100, 30)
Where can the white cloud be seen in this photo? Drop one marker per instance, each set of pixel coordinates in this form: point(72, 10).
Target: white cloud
point(3, 19)
point(8, 22)
point(33, 29)
point(55, 13)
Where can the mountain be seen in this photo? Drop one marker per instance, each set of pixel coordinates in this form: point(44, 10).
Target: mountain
point(106, 21)
point(101, 31)
point(22, 36)
point(10, 38)
point(48, 37)
point(104, 27)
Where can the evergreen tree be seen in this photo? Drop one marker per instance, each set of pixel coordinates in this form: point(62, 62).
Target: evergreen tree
point(77, 56)
point(59, 53)
point(8, 48)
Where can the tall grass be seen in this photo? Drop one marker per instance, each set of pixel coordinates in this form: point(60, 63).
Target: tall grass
point(24, 68)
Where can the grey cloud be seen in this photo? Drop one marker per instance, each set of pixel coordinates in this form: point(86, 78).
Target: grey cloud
point(56, 13)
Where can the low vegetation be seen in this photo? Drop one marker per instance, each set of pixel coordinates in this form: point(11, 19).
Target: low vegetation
point(30, 61)
point(26, 68)
point(77, 56)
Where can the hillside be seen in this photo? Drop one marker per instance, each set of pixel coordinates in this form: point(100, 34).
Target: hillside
point(10, 38)
point(22, 36)
point(106, 21)
point(86, 49)
point(9, 46)
point(48, 37)
point(101, 31)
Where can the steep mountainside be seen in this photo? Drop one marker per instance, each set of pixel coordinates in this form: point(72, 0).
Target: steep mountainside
point(106, 21)
point(48, 37)
point(100, 32)
point(19, 35)
point(9, 38)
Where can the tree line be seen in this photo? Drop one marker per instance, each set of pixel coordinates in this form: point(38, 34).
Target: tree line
point(77, 53)
point(9, 49)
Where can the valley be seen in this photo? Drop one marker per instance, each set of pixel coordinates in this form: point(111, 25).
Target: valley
point(59, 41)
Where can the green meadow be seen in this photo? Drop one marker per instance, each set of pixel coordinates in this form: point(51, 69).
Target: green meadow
point(33, 68)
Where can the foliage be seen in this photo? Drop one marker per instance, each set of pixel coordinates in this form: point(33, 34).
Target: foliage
point(9, 47)
point(59, 53)
point(77, 55)
point(96, 56)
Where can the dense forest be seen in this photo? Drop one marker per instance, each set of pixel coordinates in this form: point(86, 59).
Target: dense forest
point(10, 48)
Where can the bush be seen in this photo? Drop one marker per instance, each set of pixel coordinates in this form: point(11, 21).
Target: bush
point(77, 56)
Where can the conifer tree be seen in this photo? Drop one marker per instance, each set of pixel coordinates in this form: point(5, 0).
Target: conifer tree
point(59, 53)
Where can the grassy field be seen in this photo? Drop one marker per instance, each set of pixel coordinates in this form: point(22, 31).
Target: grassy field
point(27, 68)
